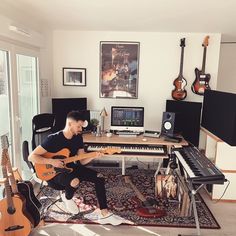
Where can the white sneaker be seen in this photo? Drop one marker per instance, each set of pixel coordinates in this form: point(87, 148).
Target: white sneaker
point(70, 205)
point(109, 219)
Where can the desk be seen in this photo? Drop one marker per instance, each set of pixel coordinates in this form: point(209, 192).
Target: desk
point(116, 139)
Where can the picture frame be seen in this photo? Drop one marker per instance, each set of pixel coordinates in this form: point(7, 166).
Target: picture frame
point(74, 76)
point(119, 69)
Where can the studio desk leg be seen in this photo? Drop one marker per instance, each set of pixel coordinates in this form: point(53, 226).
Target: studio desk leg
point(123, 165)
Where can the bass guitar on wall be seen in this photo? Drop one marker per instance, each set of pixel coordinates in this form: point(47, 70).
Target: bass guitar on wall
point(179, 93)
point(201, 82)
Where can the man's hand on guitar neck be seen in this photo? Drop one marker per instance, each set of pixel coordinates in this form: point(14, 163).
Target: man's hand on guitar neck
point(87, 160)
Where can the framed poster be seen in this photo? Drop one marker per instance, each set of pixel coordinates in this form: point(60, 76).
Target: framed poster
point(119, 63)
point(74, 76)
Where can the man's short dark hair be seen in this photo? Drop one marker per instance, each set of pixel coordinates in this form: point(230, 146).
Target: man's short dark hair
point(76, 115)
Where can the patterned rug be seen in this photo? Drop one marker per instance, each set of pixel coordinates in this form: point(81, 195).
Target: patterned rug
point(122, 201)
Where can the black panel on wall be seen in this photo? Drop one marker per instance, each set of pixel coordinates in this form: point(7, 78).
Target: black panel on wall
point(188, 122)
point(61, 107)
point(219, 115)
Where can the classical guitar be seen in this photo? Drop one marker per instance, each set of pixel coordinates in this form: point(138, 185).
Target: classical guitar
point(179, 93)
point(146, 208)
point(23, 188)
point(14, 219)
point(47, 172)
point(201, 82)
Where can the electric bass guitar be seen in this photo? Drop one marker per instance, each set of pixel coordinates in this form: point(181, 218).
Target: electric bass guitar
point(179, 93)
point(201, 82)
point(24, 188)
point(14, 219)
point(47, 171)
point(146, 209)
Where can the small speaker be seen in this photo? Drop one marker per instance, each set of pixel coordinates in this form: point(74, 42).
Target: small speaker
point(168, 124)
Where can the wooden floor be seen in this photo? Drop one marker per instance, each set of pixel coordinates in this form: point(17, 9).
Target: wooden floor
point(225, 213)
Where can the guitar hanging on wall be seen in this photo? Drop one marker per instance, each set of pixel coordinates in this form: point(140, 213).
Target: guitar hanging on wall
point(179, 93)
point(201, 82)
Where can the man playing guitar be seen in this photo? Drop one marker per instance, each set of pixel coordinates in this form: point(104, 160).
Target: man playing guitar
point(70, 138)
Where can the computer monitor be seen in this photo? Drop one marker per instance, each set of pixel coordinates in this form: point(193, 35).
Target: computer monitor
point(127, 119)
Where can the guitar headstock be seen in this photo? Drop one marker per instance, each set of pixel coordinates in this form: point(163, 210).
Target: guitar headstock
point(182, 42)
point(206, 41)
point(4, 142)
point(4, 145)
point(111, 151)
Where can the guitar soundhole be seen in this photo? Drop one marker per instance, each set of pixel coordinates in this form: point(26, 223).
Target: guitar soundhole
point(15, 227)
point(11, 210)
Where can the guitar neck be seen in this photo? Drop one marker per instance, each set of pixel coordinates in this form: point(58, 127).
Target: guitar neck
point(181, 62)
point(11, 176)
point(204, 60)
point(79, 157)
point(137, 192)
point(7, 188)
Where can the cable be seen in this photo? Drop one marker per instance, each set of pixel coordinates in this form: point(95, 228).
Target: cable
point(223, 192)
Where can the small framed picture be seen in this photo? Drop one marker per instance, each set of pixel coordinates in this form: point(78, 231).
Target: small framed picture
point(74, 76)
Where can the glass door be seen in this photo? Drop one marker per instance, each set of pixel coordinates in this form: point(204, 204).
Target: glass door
point(27, 97)
point(5, 124)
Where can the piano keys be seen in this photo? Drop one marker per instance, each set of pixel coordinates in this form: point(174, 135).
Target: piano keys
point(129, 149)
point(198, 167)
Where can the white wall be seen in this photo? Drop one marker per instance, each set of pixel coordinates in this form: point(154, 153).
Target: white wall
point(159, 66)
point(227, 68)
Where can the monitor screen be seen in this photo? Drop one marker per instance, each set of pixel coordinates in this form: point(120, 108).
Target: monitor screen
point(127, 118)
point(61, 107)
point(219, 115)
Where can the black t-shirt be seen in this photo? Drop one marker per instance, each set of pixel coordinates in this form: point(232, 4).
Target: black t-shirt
point(56, 142)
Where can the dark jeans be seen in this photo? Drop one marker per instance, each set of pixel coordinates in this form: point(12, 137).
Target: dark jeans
point(83, 174)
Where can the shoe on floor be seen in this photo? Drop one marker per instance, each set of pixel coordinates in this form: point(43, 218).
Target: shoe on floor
point(109, 219)
point(70, 205)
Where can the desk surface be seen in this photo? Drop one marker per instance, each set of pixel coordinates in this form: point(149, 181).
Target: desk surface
point(90, 138)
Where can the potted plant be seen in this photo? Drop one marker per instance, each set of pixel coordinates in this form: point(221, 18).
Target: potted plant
point(94, 122)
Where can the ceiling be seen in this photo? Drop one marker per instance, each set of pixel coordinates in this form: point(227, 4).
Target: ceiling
point(215, 16)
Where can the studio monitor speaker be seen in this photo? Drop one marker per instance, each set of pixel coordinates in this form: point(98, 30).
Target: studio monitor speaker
point(187, 119)
point(168, 124)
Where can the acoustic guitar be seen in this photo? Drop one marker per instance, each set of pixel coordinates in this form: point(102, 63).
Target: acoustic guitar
point(47, 171)
point(23, 188)
point(14, 219)
point(146, 208)
point(179, 93)
point(201, 82)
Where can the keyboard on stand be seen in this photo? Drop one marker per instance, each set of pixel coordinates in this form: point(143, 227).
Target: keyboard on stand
point(198, 167)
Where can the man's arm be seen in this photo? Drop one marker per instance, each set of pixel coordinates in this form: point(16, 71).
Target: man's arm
point(36, 156)
point(87, 160)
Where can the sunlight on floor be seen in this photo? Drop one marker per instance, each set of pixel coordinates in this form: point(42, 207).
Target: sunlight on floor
point(83, 230)
point(147, 230)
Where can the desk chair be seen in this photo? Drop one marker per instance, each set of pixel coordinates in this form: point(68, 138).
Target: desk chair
point(42, 125)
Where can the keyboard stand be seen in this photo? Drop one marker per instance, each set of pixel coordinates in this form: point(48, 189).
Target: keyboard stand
point(193, 207)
